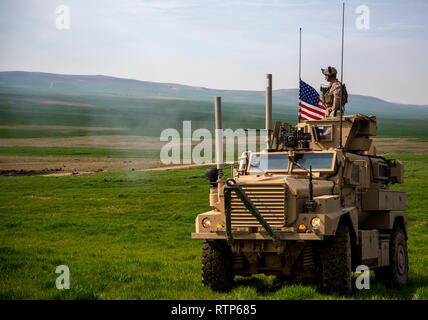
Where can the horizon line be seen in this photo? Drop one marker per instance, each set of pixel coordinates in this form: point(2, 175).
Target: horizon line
point(194, 86)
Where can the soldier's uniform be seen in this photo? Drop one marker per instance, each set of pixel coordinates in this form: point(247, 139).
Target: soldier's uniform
point(332, 95)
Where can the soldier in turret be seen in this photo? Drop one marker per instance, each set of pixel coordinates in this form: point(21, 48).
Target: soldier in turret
point(335, 95)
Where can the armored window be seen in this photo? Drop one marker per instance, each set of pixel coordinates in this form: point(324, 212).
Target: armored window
point(383, 171)
point(318, 161)
point(269, 162)
point(355, 174)
point(325, 133)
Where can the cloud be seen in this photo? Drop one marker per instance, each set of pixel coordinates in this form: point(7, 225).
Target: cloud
point(165, 5)
point(274, 4)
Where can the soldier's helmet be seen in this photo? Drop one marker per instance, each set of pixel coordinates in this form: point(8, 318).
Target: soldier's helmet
point(329, 71)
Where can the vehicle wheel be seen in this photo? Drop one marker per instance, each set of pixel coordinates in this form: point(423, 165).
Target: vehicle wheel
point(335, 256)
point(285, 278)
point(216, 265)
point(397, 272)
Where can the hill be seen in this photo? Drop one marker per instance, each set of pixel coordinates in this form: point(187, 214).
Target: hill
point(100, 85)
point(146, 108)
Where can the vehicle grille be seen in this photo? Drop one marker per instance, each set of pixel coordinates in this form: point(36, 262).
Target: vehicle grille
point(270, 200)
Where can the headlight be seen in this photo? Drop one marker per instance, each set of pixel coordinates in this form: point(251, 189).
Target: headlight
point(206, 222)
point(316, 222)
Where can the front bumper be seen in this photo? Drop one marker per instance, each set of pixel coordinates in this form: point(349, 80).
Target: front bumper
point(221, 235)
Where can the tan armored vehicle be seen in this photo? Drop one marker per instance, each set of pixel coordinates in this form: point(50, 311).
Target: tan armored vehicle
point(315, 203)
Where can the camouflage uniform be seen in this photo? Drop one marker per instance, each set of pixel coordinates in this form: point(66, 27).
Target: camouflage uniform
point(333, 108)
point(332, 94)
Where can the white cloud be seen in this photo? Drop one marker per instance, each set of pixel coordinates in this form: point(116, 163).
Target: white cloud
point(222, 44)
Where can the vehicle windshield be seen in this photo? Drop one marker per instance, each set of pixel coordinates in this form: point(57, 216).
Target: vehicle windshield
point(279, 162)
point(316, 160)
point(267, 162)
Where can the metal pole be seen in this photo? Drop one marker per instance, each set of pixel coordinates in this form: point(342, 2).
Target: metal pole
point(268, 117)
point(343, 37)
point(341, 76)
point(300, 69)
point(268, 122)
point(218, 137)
point(300, 54)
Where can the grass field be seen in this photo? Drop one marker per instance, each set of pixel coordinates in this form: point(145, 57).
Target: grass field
point(126, 235)
point(144, 116)
point(83, 127)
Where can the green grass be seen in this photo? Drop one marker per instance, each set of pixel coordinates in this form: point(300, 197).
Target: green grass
point(127, 236)
point(145, 116)
point(136, 116)
point(78, 152)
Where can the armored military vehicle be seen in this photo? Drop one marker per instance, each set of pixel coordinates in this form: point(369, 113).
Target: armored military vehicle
point(315, 202)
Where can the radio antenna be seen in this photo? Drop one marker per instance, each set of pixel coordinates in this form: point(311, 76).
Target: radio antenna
point(341, 77)
point(300, 68)
point(300, 53)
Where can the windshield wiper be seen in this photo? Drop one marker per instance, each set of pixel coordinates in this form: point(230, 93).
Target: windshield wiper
point(300, 166)
point(293, 162)
point(257, 167)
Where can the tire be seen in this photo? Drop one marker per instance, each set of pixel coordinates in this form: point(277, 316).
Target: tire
point(396, 274)
point(216, 266)
point(335, 255)
point(285, 278)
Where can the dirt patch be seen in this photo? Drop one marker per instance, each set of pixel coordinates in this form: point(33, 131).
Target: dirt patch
point(27, 165)
point(23, 172)
point(186, 166)
point(70, 165)
point(384, 146)
point(110, 142)
point(73, 173)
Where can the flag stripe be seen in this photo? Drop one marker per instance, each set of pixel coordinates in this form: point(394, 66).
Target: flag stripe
point(320, 110)
point(311, 106)
point(310, 113)
point(312, 116)
point(313, 109)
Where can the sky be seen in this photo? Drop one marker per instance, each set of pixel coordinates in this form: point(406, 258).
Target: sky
point(229, 44)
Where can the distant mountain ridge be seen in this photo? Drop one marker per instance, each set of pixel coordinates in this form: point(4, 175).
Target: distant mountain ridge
point(100, 85)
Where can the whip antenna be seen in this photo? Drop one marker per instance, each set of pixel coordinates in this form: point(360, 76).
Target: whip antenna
point(341, 77)
point(300, 68)
point(300, 54)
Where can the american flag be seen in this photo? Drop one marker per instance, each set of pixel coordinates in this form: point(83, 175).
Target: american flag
point(311, 106)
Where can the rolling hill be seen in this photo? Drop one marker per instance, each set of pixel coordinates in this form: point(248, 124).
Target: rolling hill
point(146, 108)
point(100, 85)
